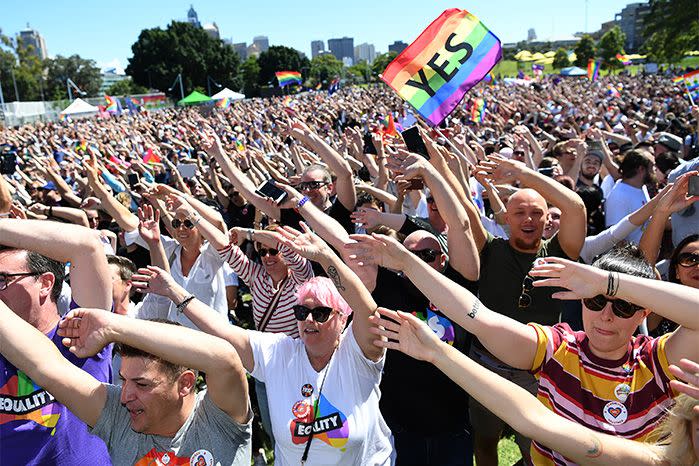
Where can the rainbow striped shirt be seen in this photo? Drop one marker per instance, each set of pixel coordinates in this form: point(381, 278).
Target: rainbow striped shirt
point(626, 398)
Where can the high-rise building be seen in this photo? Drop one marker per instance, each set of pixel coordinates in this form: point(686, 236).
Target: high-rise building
point(241, 48)
point(262, 43)
point(531, 35)
point(631, 21)
point(365, 52)
point(110, 76)
point(192, 17)
point(31, 37)
point(342, 48)
point(317, 46)
point(398, 46)
point(212, 30)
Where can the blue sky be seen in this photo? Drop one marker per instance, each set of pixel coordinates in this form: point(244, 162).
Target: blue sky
point(105, 31)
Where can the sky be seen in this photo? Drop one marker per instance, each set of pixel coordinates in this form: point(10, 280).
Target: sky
point(104, 31)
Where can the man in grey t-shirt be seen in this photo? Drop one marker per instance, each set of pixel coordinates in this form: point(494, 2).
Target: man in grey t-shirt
point(155, 417)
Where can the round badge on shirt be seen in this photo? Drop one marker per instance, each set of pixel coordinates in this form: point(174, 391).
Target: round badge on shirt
point(201, 458)
point(622, 392)
point(307, 390)
point(615, 413)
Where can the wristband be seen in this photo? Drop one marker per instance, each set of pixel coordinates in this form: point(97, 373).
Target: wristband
point(50, 211)
point(498, 212)
point(180, 307)
point(301, 202)
point(248, 233)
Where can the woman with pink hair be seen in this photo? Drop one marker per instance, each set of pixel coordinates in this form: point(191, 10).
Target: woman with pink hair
point(323, 388)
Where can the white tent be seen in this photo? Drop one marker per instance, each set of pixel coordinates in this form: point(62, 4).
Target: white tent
point(232, 95)
point(79, 107)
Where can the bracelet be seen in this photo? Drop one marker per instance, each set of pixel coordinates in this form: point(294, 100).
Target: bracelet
point(303, 200)
point(50, 211)
point(248, 233)
point(499, 211)
point(180, 307)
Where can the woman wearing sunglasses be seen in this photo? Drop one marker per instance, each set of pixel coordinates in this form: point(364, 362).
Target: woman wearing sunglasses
point(604, 377)
point(323, 388)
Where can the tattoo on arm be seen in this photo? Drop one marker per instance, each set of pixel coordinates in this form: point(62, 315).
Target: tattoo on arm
point(595, 450)
point(474, 309)
point(335, 277)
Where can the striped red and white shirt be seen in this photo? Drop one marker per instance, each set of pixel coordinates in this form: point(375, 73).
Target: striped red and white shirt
point(263, 291)
point(626, 398)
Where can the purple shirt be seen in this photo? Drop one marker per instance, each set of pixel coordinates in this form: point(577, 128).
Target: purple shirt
point(35, 429)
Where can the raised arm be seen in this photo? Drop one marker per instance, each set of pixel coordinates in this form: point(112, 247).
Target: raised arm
point(66, 243)
point(87, 331)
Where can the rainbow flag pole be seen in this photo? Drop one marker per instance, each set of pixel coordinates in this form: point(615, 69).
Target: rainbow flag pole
point(286, 78)
point(451, 56)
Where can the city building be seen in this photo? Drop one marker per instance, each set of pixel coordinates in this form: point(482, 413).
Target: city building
point(347, 61)
point(398, 46)
point(241, 48)
point(342, 48)
point(262, 43)
point(212, 30)
point(630, 21)
point(365, 52)
point(253, 50)
point(192, 17)
point(31, 37)
point(110, 76)
point(317, 46)
point(531, 35)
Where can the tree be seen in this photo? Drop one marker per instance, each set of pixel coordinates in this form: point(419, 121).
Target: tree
point(584, 51)
point(671, 30)
point(159, 55)
point(20, 68)
point(609, 45)
point(126, 87)
point(360, 72)
point(381, 62)
point(250, 71)
point(84, 73)
point(560, 59)
point(324, 68)
point(280, 58)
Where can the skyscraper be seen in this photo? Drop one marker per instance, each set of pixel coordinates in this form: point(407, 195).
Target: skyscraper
point(342, 48)
point(398, 46)
point(261, 43)
point(631, 21)
point(365, 52)
point(212, 30)
point(31, 37)
point(241, 48)
point(317, 46)
point(192, 17)
point(531, 35)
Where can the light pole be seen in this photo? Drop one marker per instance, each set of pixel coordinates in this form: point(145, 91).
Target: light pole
point(71, 85)
point(209, 81)
point(178, 78)
point(14, 81)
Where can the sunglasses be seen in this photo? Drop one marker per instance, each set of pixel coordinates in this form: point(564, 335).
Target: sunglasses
point(620, 308)
point(320, 314)
point(427, 255)
point(267, 251)
point(176, 223)
point(311, 185)
point(6, 278)
point(525, 299)
point(688, 259)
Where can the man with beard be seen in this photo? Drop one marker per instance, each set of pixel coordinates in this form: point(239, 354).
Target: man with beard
point(588, 187)
point(504, 285)
point(637, 170)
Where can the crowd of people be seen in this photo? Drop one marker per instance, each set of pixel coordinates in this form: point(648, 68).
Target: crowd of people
point(201, 285)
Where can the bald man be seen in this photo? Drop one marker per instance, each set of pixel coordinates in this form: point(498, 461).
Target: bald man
point(503, 283)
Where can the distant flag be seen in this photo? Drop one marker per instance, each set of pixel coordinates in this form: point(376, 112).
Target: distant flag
point(613, 91)
point(389, 128)
point(678, 79)
point(288, 77)
point(334, 86)
point(223, 103)
point(592, 70)
point(287, 101)
point(80, 146)
point(62, 117)
point(691, 85)
point(319, 86)
point(132, 104)
point(113, 105)
point(451, 56)
point(624, 59)
point(151, 157)
point(490, 79)
point(478, 110)
point(239, 146)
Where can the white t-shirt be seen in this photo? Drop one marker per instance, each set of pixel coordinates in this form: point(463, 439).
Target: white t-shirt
point(349, 428)
point(623, 200)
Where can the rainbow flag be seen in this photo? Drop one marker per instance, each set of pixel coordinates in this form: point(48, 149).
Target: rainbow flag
point(678, 79)
point(388, 126)
point(151, 157)
point(112, 105)
point(287, 101)
point(319, 86)
point(623, 59)
point(288, 77)
point(62, 117)
point(451, 56)
point(223, 103)
point(592, 70)
point(478, 110)
point(692, 80)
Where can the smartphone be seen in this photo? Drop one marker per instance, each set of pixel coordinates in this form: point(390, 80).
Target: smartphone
point(546, 171)
point(133, 179)
point(693, 186)
point(414, 141)
point(594, 145)
point(187, 170)
point(416, 184)
point(272, 191)
point(369, 144)
point(8, 163)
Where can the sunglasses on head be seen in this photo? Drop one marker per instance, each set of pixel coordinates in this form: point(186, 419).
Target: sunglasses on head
point(688, 259)
point(427, 255)
point(620, 308)
point(320, 314)
point(176, 223)
point(310, 185)
point(267, 251)
point(525, 299)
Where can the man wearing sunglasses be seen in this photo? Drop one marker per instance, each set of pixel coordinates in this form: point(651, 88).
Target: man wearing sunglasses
point(34, 427)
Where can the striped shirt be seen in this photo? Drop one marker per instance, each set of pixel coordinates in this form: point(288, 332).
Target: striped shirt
point(263, 290)
point(626, 398)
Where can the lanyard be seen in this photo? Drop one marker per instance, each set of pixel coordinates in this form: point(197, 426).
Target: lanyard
point(304, 457)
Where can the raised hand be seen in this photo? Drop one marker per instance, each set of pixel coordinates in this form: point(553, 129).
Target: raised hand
point(368, 218)
point(677, 198)
point(85, 331)
point(149, 223)
point(306, 244)
point(583, 281)
point(500, 170)
point(405, 333)
point(154, 280)
point(377, 250)
point(688, 373)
